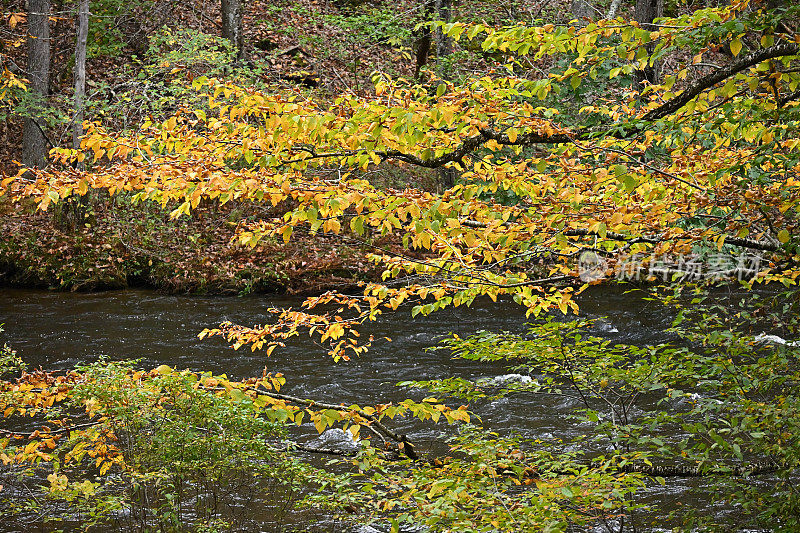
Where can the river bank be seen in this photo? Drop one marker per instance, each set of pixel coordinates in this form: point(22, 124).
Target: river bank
point(120, 246)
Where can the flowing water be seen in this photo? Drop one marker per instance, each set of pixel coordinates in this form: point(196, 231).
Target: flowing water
point(59, 330)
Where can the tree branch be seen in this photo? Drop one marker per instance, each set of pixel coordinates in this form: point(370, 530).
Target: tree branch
point(697, 471)
point(403, 443)
point(698, 86)
point(624, 129)
point(49, 433)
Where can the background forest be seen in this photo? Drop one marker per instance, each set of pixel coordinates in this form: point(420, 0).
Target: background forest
point(410, 158)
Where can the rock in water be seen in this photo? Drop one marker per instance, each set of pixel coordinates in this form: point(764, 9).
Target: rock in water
point(506, 379)
point(338, 439)
point(774, 339)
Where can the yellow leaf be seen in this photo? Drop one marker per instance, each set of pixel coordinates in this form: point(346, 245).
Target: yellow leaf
point(736, 46)
point(14, 19)
point(286, 232)
point(335, 331)
point(332, 225)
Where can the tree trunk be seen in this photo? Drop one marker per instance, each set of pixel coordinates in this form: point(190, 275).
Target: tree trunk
point(447, 177)
point(80, 74)
point(232, 25)
point(582, 10)
point(71, 212)
point(34, 142)
point(646, 12)
point(443, 45)
point(612, 10)
point(425, 39)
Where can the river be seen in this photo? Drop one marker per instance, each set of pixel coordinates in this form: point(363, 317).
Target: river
point(57, 330)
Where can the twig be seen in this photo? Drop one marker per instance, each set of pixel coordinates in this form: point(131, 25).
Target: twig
point(404, 444)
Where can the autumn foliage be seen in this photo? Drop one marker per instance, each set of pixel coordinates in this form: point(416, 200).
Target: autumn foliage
point(621, 178)
point(704, 162)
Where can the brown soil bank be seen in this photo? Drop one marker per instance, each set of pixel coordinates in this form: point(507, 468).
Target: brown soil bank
point(118, 245)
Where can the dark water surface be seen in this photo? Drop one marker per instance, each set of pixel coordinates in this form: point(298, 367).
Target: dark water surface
point(58, 330)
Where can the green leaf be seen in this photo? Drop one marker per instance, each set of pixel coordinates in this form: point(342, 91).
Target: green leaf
point(237, 395)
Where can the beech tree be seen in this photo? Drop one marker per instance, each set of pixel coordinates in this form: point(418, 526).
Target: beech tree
point(34, 141)
point(646, 12)
point(80, 72)
point(702, 160)
point(232, 14)
point(619, 178)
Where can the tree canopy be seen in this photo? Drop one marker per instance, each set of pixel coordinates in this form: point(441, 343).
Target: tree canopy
point(706, 158)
